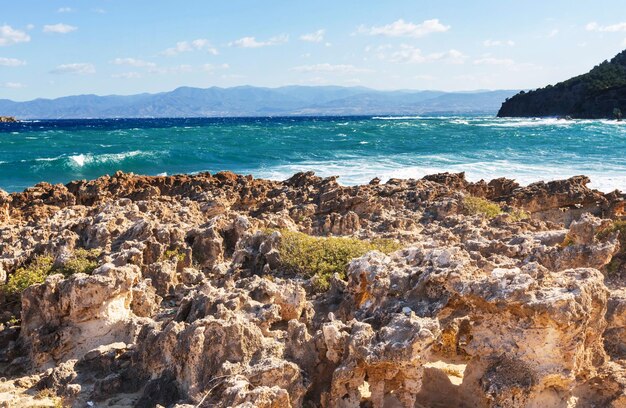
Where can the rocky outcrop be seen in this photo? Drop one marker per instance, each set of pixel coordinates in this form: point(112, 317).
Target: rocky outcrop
point(190, 302)
point(598, 94)
point(7, 119)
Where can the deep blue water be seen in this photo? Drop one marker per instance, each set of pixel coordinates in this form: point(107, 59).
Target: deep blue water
point(356, 149)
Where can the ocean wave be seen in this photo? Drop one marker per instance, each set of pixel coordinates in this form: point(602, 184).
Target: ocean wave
point(361, 171)
point(81, 160)
point(397, 117)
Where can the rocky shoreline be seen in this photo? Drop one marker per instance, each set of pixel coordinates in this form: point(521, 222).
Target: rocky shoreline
point(176, 291)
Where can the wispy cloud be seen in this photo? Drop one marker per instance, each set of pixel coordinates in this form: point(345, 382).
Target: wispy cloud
point(11, 62)
point(410, 54)
point(12, 85)
point(10, 36)
point(75, 69)
point(65, 10)
point(612, 28)
point(133, 62)
point(553, 33)
point(59, 28)
point(212, 67)
point(179, 69)
point(316, 37)
point(494, 61)
point(325, 67)
point(401, 28)
point(498, 43)
point(251, 42)
point(200, 44)
point(127, 75)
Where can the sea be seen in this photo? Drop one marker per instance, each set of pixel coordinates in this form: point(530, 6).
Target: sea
point(357, 149)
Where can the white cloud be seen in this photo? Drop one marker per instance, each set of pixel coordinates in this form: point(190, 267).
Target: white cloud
point(624, 42)
point(498, 43)
point(11, 62)
point(553, 33)
point(133, 62)
point(171, 70)
point(401, 28)
point(211, 67)
point(613, 28)
point(409, 54)
point(317, 36)
point(127, 75)
point(12, 85)
point(30, 26)
point(59, 28)
point(99, 10)
point(494, 61)
point(251, 42)
point(65, 10)
point(201, 44)
point(340, 68)
point(75, 69)
point(10, 36)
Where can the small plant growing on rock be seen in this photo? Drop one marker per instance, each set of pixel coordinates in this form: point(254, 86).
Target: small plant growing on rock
point(320, 257)
point(480, 206)
point(177, 254)
point(81, 261)
point(620, 258)
point(515, 215)
point(33, 274)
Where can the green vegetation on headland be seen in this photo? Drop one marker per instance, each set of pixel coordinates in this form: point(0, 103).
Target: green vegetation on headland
point(598, 94)
point(321, 257)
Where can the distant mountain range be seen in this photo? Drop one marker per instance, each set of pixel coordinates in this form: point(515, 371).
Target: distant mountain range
point(255, 101)
point(600, 93)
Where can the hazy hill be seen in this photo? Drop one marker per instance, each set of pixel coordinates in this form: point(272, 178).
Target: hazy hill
point(596, 94)
point(255, 101)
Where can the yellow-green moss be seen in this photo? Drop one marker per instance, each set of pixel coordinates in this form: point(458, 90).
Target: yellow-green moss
point(81, 261)
point(480, 206)
point(319, 257)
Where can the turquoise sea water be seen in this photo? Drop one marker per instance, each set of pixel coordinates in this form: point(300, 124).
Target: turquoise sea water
point(356, 149)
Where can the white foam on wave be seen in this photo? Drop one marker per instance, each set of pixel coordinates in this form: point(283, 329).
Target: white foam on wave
point(362, 170)
point(397, 117)
point(48, 159)
point(80, 160)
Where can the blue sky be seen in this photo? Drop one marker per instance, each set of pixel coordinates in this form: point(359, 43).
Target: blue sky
point(54, 48)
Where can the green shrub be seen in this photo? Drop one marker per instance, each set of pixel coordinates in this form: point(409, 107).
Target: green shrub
point(33, 274)
point(81, 261)
point(320, 258)
point(480, 206)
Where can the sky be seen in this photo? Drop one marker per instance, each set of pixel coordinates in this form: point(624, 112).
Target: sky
point(53, 48)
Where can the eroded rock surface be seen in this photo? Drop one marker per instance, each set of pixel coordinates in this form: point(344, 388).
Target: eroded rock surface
point(189, 302)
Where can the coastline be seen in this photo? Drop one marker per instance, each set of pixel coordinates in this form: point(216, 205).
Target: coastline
point(357, 150)
point(304, 290)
